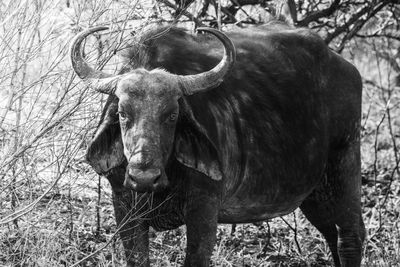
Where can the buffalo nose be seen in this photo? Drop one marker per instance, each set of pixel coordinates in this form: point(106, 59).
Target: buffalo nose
point(151, 180)
point(148, 176)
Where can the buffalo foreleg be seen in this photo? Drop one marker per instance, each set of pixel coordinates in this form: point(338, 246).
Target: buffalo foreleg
point(132, 230)
point(201, 221)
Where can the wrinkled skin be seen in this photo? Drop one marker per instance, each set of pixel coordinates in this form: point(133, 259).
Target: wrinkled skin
point(280, 132)
point(148, 110)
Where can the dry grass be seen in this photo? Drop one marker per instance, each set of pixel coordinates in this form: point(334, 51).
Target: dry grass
point(50, 209)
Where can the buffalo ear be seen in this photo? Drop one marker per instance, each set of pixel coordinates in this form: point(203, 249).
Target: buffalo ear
point(193, 148)
point(106, 150)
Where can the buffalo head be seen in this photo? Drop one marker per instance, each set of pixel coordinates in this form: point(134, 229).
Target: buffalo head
point(148, 108)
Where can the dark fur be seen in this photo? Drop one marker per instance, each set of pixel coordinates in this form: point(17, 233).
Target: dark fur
point(283, 128)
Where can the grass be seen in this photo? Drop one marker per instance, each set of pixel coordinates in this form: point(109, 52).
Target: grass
point(62, 230)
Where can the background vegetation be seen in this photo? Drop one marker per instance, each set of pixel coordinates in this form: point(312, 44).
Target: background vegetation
point(55, 211)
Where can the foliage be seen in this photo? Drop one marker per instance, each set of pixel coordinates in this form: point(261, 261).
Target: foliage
point(55, 211)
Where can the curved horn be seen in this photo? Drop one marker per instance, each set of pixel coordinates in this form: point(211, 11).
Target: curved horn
point(100, 81)
point(206, 80)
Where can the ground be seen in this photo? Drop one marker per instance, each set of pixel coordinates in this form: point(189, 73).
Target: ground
point(62, 230)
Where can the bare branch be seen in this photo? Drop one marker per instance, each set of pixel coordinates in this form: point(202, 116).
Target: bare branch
point(251, 2)
point(292, 11)
point(319, 14)
point(371, 10)
point(29, 207)
point(359, 24)
point(183, 12)
point(394, 36)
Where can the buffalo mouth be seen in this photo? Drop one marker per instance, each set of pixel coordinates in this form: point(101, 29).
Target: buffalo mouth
point(151, 180)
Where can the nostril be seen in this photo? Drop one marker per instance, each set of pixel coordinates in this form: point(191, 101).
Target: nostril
point(148, 176)
point(152, 180)
point(156, 179)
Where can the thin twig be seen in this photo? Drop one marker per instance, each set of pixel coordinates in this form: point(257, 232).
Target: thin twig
point(184, 12)
point(294, 229)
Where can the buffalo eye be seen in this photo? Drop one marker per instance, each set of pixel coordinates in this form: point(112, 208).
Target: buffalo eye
point(172, 117)
point(122, 115)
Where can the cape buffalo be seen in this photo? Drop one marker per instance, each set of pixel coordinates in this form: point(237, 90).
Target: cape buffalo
point(189, 138)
